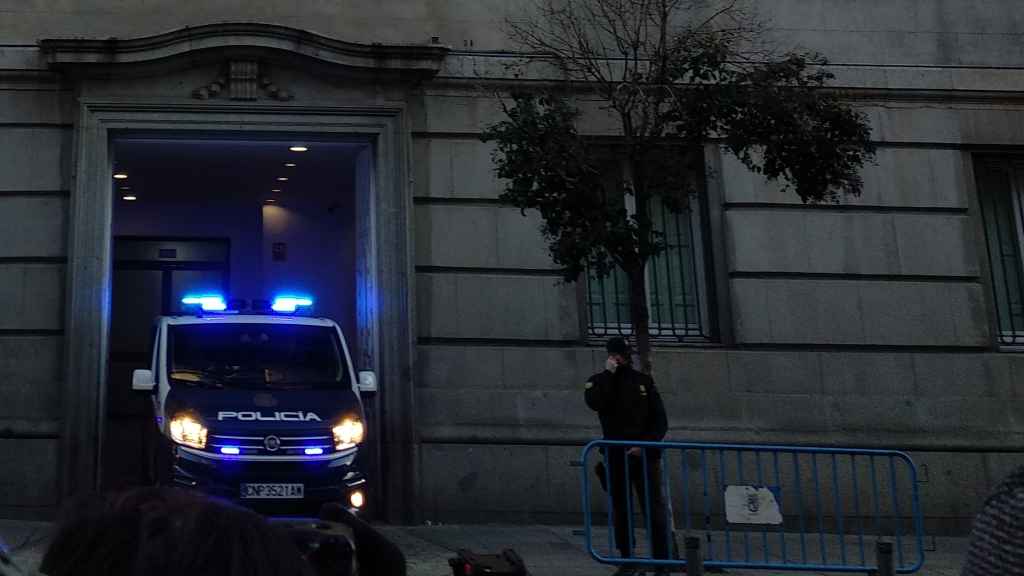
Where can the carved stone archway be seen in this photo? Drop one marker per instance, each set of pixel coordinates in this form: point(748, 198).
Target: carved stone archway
point(241, 38)
point(242, 96)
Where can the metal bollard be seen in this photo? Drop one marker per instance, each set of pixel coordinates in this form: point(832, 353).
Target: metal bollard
point(694, 557)
point(883, 557)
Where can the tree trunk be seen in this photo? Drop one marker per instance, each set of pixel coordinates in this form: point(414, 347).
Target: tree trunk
point(639, 317)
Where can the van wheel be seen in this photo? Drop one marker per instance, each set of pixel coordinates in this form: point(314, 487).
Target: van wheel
point(161, 463)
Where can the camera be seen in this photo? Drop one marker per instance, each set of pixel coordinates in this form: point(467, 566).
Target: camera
point(329, 547)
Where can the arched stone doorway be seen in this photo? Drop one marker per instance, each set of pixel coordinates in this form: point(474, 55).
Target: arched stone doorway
point(246, 80)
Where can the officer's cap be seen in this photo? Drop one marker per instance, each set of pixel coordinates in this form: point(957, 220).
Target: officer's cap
point(618, 346)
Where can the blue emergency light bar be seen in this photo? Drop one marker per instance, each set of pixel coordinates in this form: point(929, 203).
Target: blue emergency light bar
point(229, 450)
point(209, 303)
point(314, 451)
point(290, 303)
point(217, 303)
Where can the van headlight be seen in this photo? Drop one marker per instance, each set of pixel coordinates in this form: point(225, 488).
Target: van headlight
point(348, 433)
point(187, 430)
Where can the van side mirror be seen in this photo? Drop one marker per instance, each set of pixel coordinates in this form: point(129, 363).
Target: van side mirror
point(142, 380)
point(367, 381)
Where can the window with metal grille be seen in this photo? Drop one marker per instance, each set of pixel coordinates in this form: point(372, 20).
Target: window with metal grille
point(1000, 190)
point(676, 289)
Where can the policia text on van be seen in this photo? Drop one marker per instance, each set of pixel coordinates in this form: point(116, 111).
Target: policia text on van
point(257, 406)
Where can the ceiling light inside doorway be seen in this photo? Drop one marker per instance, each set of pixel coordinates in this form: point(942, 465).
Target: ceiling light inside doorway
point(270, 200)
point(120, 176)
point(298, 148)
point(276, 190)
point(290, 164)
point(282, 179)
point(129, 198)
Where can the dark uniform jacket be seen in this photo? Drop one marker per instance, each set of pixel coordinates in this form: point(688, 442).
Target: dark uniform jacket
point(628, 405)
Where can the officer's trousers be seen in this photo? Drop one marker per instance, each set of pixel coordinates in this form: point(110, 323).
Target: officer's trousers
point(623, 504)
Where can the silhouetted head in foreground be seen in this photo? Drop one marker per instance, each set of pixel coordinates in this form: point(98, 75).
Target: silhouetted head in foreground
point(997, 540)
point(164, 531)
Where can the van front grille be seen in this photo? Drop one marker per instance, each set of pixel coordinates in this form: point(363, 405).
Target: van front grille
point(285, 444)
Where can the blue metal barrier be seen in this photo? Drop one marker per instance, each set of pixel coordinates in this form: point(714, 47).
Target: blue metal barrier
point(803, 508)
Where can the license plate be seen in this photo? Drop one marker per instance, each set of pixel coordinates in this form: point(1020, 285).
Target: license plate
point(272, 491)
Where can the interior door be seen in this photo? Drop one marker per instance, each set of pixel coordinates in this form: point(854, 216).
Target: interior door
point(150, 277)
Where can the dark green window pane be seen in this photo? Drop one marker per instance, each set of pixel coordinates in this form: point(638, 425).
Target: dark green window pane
point(1002, 233)
point(673, 279)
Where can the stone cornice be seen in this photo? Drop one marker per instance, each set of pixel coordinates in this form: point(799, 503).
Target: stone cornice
point(253, 38)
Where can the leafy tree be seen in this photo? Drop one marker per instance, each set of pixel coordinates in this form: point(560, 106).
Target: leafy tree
point(673, 74)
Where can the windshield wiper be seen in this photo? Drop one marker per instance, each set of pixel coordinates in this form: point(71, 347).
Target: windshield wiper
point(302, 384)
point(198, 378)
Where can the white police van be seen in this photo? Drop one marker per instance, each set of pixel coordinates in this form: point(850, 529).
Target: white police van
point(257, 402)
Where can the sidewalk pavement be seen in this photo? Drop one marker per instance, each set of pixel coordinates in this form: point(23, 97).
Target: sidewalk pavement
point(558, 551)
point(546, 550)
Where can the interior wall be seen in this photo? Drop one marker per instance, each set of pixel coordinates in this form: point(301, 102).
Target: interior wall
point(319, 258)
point(237, 220)
point(314, 221)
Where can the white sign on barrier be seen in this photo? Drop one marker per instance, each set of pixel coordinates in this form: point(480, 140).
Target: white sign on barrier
point(751, 505)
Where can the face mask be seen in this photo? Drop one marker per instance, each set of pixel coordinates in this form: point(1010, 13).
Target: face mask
point(611, 364)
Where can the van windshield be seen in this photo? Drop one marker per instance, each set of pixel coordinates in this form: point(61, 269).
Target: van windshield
point(257, 356)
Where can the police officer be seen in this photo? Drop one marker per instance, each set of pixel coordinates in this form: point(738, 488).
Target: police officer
point(630, 408)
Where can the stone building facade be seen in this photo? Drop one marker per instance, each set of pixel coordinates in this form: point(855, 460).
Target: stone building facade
point(884, 321)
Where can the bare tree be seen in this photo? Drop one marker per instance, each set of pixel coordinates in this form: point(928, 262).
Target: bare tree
point(673, 74)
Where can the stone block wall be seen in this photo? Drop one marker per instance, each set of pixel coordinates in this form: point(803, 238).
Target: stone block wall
point(35, 145)
point(866, 323)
